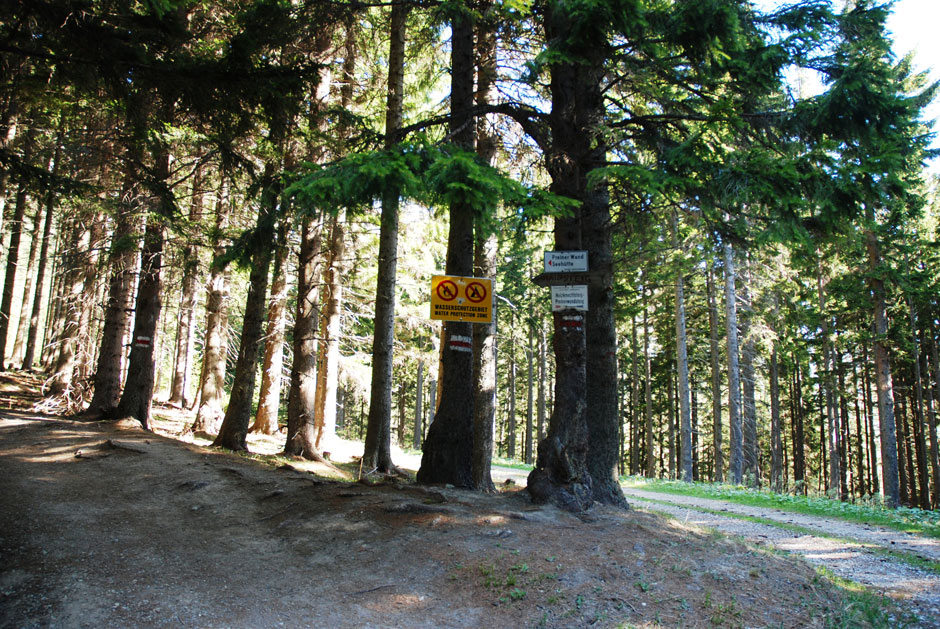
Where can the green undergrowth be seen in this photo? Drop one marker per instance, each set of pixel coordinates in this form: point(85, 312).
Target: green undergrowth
point(868, 512)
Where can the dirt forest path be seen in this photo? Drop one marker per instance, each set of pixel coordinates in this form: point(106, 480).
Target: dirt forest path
point(851, 551)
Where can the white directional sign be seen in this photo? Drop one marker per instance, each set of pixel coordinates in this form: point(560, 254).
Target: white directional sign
point(569, 298)
point(566, 261)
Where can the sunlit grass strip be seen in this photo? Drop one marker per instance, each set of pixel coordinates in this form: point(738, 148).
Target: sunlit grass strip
point(911, 559)
point(902, 519)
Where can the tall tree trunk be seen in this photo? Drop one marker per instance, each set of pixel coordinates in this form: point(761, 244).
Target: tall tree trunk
point(8, 128)
point(889, 445)
point(776, 439)
point(301, 423)
point(416, 437)
point(873, 468)
point(182, 364)
point(530, 351)
point(234, 429)
point(799, 448)
point(33, 340)
point(919, 416)
point(15, 227)
point(484, 262)
point(647, 388)
point(138, 385)
point(328, 369)
point(22, 327)
point(377, 454)
point(749, 406)
point(718, 472)
point(123, 266)
point(511, 424)
point(635, 400)
point(734, 379)
point(69, 298)
point(682, 365)
point(272, 364)
point(933, 403)
point(832, 430)
point(212, 377)
point(448, 447)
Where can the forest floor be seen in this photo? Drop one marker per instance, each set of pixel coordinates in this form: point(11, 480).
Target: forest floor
point(106, 525)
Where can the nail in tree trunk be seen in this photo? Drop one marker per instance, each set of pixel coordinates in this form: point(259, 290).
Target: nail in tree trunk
point(717, 473)
point(212, 377)
point(889, 446)
point(272, 364)
point(734, 378)
point(377, 453)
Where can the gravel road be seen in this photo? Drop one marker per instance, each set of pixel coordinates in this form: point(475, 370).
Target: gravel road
point(848, 550)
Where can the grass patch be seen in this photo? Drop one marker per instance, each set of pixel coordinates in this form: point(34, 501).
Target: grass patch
point(903, 519)
point(512, 464)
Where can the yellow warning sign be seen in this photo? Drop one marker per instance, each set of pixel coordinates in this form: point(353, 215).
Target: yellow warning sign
point(456, 298)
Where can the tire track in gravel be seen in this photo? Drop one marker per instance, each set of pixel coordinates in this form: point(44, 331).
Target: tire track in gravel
point(856, 560)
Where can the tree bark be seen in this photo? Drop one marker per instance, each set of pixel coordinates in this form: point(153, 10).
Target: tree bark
point(301, 402)
point(832, 430)
point(328, 370)
point(377, 454)
point(419, 408)
point(182, 364)
point(33, 340)
point(682, 365)
point(889, 445)
point(138, 385)
point(234, 429)
point(749, 406)
point(448, 447)
point(484, 262)
point(272, 364)
point(718, 472)
point(776, 439)
point(734, 379)
point(212, 378)
point(22, 327)
point(123, 265)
